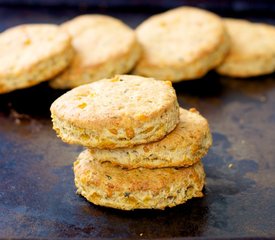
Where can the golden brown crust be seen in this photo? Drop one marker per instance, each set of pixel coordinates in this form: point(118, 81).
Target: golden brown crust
point(32, 53)
point(111, 186)
point(181, 44)
point(104, 46)
point(117, 112)
point(184, 146)
point(252, 51)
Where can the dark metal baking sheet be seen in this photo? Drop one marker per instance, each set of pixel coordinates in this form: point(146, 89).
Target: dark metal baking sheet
point(37, 193)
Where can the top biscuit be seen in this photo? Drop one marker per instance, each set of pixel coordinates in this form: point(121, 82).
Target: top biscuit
point(104, 46)
point(252, 51)
point(32, 53)
point(181, 44)
point(119, 112)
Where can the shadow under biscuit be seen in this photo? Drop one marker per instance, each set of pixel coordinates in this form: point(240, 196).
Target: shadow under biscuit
point(34, 101)
point(207, 86)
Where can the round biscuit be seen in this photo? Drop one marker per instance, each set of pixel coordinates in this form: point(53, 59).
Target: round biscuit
point(183, 147)
point(104, 46)
point(32, 53)
point(181, 44)
point(119, 112)
point(141, 188)
point(252, 51)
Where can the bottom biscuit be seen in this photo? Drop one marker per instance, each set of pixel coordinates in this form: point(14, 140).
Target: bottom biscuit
point(111, 186)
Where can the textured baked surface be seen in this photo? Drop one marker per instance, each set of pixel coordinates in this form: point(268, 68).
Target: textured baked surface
point(32, 53)
point(104, 46)
point(119, 112)
point(252, 51)
point(107, 185)
point(184, 146)
point(181, 44)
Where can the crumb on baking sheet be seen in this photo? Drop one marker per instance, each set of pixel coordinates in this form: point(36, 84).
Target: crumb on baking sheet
point(18, 117)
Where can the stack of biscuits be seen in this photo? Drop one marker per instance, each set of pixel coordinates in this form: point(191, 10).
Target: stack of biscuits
point(143, 151)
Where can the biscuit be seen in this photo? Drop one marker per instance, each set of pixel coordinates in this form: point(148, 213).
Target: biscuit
point(119, 112)
point(181, 44)
point(252, 51)
point(104, 46)
point(32, 53)
point(111, 186)
point(184, 146)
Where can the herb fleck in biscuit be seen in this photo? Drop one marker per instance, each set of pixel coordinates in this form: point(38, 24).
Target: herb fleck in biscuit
point(181, 44)
point(110, 186)
point(32, 53)
point(119, 112)
point(252, 51)
point(184, 146)
point(104, 46)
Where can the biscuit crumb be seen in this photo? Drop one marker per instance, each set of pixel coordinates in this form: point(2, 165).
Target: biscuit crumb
point(17, 121)
point(18, 117)
point(262, 99)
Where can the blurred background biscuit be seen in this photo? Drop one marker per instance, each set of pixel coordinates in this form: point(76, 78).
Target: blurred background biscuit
point(252, 49)
point(32, 53)
point(181, 44)
point(104, 46)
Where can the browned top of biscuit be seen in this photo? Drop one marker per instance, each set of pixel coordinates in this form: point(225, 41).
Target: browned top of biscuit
point(123, 101)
